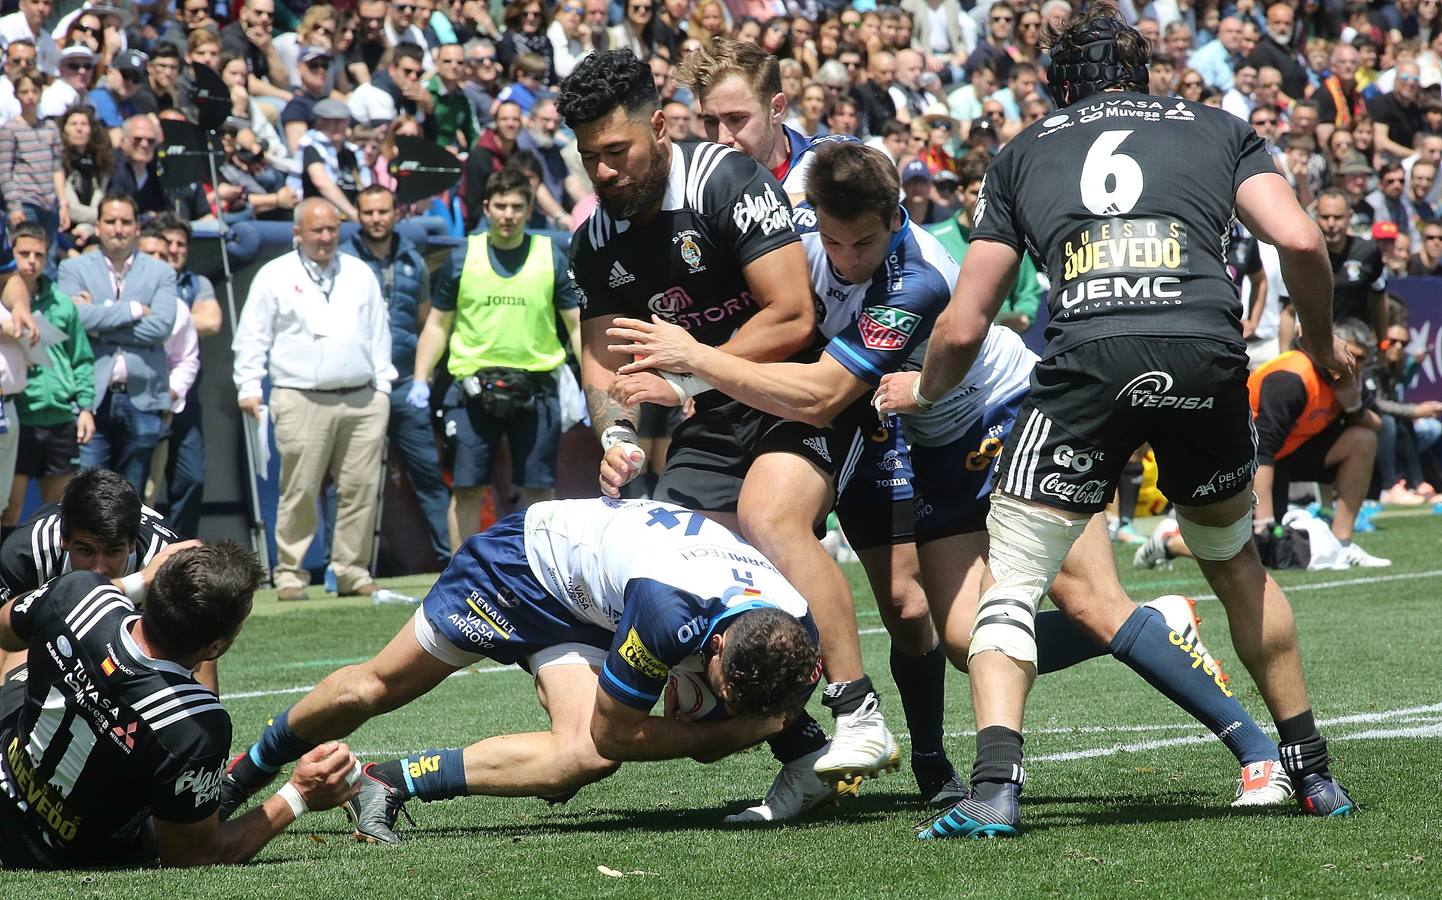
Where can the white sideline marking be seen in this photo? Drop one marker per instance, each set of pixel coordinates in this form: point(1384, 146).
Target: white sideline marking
point(1316, 586)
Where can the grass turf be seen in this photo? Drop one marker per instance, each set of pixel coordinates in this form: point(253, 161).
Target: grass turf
point(1124, 794)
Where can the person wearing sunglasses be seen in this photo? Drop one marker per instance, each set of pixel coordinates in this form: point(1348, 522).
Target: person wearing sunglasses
point(77, 74)
point(1000, 43)
point(571, 38)
point(401, 90)
point(526, 22)
point(1397, 116)
point(1409, 430)
point(1390, 201)
point(405, 21)
point(29, 24)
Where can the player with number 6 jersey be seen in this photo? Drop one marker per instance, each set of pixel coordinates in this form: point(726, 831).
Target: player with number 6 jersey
point(1128, 198)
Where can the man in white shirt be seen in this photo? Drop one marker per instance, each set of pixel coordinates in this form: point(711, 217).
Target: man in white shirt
point(29, 24)
point(318, 319)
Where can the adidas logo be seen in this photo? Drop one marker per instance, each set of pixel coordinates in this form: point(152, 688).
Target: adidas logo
point(620, 276)
point(818, 445)
point(1180, 113)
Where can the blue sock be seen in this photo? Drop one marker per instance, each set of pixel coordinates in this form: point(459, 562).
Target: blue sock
point(278, 745)
point(1159, 655)
point(921, 682)
point(434, 774)
point(1060, 644)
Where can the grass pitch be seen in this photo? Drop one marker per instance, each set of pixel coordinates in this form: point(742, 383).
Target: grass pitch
point(1125, 796)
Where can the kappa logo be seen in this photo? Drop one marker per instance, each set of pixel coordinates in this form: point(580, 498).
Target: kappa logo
point(1153, 391)
point(818, 445)
point(619, 275)
point(1180, 113)
point(886, 327)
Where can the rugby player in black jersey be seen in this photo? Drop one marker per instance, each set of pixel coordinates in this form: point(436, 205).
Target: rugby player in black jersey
point(700, 235)
point(101, 526)
point(1129, 199)
point(111, 753)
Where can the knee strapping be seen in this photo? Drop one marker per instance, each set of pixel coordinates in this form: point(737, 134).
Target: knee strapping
point(1216, 543)
point(1028, 545)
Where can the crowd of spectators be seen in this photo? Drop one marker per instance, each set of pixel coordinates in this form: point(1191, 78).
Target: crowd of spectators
point(1347, 96)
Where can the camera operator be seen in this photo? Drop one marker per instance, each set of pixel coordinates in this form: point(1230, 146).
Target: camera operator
point(252, 190)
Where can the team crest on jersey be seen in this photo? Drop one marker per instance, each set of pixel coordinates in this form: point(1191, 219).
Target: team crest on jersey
point(690, 250)
point(1353, 268)
point(886, 327)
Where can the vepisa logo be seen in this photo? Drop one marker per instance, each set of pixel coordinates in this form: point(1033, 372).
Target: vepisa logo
point(1153, 390)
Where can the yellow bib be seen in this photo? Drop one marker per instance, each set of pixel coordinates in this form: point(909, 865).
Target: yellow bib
point(506, 322)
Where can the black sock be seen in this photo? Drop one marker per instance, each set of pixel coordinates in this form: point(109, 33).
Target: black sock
point(392, 772)
point(843, 697)
point(921, 683)
point(1303, 749)
point(249, 775)
point(1128, 489)
point(801, 737)
point(998, 757)
point(1060, 644)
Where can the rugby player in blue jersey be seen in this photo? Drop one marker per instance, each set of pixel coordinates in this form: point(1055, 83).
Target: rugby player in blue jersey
point(599, 600)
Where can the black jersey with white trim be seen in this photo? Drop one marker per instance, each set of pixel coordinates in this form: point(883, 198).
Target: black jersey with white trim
point(721, 211)
point(32, 554)
point(107, 736)
point(1129, 199)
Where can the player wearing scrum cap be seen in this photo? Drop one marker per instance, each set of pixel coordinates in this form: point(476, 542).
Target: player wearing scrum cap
point(1128, 198)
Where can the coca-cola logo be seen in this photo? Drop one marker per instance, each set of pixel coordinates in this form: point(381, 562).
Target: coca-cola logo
point(1089, 492)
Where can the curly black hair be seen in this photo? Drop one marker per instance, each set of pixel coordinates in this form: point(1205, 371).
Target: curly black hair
point(604, 81)
point(769, 663)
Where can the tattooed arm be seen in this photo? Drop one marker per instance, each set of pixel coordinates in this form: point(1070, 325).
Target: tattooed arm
point(612, 420)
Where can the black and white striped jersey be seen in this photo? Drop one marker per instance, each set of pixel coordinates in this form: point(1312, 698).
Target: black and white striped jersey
point(32, 554)
point(106, 736)
point(721, 210)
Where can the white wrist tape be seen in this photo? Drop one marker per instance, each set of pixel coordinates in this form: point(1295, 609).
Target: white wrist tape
point(685, 386)
point(921, 401)
point(618, 434)
point(134, 587)
point(291, 795)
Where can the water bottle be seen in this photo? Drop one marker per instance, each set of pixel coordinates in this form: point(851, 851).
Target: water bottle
point(330, 586)
point(388, 597)
point(1437, 508)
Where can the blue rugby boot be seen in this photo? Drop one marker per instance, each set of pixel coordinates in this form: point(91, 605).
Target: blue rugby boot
point(1321, 795)
point(998, 817)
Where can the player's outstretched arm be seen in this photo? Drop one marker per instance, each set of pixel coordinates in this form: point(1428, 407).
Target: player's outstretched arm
point(814, 393)
point(625, 734)
point(986, 276)
point(322, 780)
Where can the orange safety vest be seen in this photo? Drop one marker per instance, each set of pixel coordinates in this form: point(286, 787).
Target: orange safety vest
point(1345, 111)
point(1322, 407)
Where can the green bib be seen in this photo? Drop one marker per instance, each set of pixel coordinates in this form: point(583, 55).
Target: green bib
point(506, 322)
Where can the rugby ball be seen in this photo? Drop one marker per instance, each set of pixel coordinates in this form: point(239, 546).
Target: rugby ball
point(694, 699)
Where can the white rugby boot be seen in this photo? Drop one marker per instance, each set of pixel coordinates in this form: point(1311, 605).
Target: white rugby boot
point(862, 747)
point(1264, 783)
